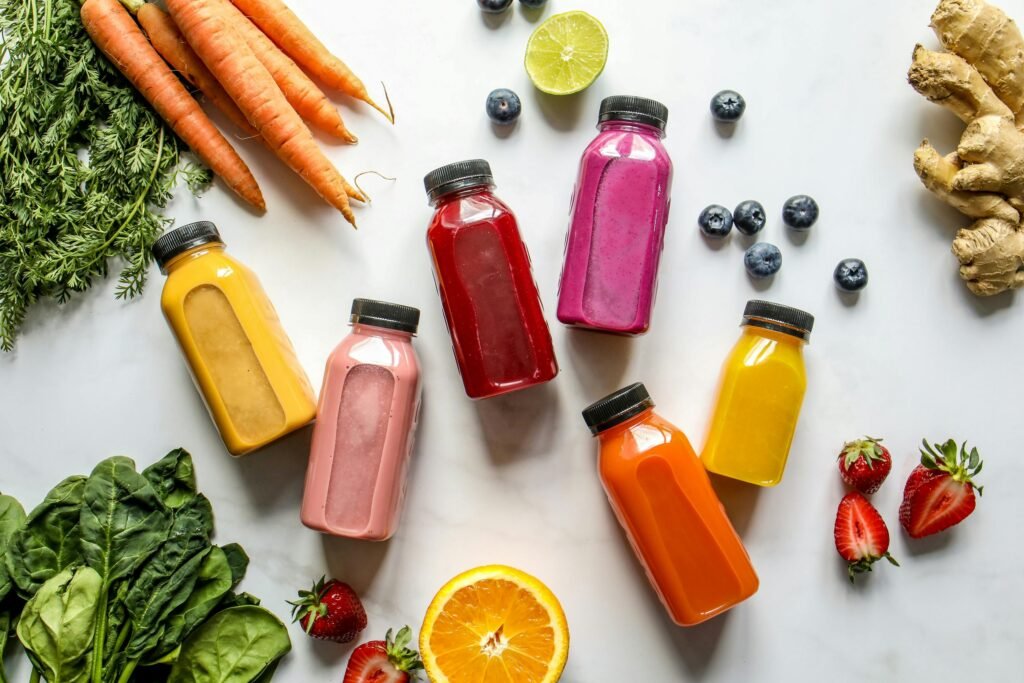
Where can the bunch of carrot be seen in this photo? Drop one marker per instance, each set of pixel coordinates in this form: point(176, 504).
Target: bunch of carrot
point(247, 57)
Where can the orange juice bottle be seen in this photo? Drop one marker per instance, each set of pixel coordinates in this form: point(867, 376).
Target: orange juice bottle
point(759, 396)
point(663, 499)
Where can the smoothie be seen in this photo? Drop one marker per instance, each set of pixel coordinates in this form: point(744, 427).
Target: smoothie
point(664, 501)
point(240, 357)
point(618, 218)
point(364, 434)
point(483, 274)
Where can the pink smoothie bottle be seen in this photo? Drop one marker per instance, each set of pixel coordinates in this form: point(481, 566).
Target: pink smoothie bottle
point(619, 212)
point(366, 421)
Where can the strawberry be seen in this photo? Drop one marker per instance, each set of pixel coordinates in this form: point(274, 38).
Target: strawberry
point(383, 661)
point(940, 491)
point(330, 611)
point(865, 464)
point(861, 536)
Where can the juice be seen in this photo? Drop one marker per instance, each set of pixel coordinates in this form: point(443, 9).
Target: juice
point(619, 212)
point(664, 501)
point(240, 357)
point(759, 396)
point(366, 422)
point(482, 269)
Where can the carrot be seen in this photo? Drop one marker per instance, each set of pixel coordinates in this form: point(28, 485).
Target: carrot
point(302, 93)
point(253, 89)
point(117, 35)
point(294, 37)
point(168, 41)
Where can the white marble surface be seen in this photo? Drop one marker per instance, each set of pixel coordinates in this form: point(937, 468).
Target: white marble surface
point(513, 480)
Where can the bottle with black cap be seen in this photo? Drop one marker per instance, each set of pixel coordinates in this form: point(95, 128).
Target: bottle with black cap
point(488, 293)
point(366, 423)
point(617, 221)
point(761, 391)
point(668, 509)
point(240, 357)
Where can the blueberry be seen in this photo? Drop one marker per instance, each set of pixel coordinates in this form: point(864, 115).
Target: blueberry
point(851, 275)
point(762, 259)
point(749, 217)
point(800, 212)
point(503, 106)
point(534, 4)
point(715, 221)
point(494, 6)
point(728, 106)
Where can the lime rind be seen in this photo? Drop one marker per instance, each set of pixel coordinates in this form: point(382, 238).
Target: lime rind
point(567, 53)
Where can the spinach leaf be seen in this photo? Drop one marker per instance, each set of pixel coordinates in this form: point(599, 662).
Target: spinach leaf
point(48, 540)
point(212, 584)
point(173, 477)
point(238, 560)
point(234, 646)
point(233, 599)
point(123, 520)
point(12, 516)
point(169, 576)
point(57, 624)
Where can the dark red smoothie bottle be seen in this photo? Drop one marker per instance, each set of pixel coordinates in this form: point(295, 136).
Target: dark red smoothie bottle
point(483, 274)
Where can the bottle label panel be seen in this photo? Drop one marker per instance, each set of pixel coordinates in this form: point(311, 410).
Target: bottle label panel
point(228, 355)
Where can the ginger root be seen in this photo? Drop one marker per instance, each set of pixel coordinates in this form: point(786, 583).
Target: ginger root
point(981, 80)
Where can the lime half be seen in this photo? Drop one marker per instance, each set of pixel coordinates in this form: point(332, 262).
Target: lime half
point(566, 53)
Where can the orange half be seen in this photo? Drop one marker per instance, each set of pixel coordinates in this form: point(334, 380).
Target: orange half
point(494, 624)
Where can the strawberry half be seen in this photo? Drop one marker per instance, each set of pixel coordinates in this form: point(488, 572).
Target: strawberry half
point(384, 661)
point(865, 464)
point(940, 491)
point(330, 611)
point(861, 535)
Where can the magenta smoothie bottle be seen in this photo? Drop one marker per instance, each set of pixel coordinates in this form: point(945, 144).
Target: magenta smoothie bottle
point(366, 420)
point(619, 211)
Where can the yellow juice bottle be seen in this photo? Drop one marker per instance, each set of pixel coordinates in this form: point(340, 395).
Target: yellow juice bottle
point(240, 357)
point(759, 396)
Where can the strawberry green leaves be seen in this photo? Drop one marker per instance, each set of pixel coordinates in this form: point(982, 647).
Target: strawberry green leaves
point(962, 466)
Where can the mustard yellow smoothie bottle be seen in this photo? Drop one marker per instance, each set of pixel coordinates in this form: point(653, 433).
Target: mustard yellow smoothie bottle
point(760, 394)
point(241, 359)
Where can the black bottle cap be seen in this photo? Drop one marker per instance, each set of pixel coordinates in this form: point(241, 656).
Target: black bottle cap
point(637, 109)
point(457, 176)
point(182, 239)
point(779, 318)
point(385, 314)
point(616, 408)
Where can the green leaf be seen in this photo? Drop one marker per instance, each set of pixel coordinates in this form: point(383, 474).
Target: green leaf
point(173, 477)
point(123, 521)
point(12, 516)
point(212, 584)
point(49, 539)
point(57, 624)
point(975, 459)
point(167, 578)
point(234, 646)
point(238, 560)
point(237, 600)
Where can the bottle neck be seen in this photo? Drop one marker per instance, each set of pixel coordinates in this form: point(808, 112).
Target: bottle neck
point(367, 330)
point(190, 255)
point(775, 335)
point(631, 126)
point(625, 425)
point(462, 192)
